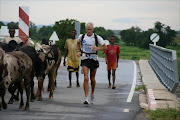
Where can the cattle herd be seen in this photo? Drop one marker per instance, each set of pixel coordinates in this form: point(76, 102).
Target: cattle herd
point(20, 63)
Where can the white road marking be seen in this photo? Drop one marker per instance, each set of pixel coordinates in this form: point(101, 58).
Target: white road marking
point(133, 85)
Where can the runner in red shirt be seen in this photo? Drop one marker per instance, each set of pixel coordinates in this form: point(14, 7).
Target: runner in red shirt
point(112, 57)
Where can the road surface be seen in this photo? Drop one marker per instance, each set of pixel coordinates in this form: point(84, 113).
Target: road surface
point(67, 103)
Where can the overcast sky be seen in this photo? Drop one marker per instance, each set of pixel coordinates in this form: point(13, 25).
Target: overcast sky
point(110, 14)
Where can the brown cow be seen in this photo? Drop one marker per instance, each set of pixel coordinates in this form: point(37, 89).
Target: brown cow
point(51, 55)
point(15, 66)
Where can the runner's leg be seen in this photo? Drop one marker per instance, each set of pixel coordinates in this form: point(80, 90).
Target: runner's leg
point(93, 81)
point(86, 80)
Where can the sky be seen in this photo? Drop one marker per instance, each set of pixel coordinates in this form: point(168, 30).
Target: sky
point(110, 14)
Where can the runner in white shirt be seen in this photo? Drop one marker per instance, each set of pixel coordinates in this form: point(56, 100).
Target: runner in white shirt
point(89, 59)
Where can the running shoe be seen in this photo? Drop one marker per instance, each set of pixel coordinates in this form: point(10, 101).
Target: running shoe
point(86, 101)
point(93, 99)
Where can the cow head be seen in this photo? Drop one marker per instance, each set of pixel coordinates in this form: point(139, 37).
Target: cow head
point(45, 53)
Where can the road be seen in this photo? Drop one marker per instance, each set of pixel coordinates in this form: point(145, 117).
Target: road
point(67, 103)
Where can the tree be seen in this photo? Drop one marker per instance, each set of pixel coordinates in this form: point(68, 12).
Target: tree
point(105, 34)
point(33, 31)
point(63, 29)
point(45, 32)
point(129, 35)
point(166, 34)
point(1, 24)
point(13, 25)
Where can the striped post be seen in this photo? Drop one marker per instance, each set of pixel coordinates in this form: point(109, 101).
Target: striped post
point(23, 23)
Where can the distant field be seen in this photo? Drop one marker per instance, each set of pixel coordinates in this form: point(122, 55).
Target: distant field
point(131, 53)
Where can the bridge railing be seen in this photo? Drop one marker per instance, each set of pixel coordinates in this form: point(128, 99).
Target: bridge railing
point(164, 63)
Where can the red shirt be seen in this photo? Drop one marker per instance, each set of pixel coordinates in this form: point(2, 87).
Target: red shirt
point(111, 53)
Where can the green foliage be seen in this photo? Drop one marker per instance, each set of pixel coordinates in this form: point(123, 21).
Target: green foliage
point(45, 32)
point(1, 24)
point(83, 29)
point(63, 29)
point(13, 25)
point(143, 87)
point(33, 31)
point(164, 114)
point(166, 34)
point(135, 37)
point(105, 34)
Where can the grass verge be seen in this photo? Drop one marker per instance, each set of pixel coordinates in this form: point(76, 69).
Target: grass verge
point(164, 114)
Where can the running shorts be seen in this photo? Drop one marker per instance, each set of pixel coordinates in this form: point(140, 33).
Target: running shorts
point(90, 63)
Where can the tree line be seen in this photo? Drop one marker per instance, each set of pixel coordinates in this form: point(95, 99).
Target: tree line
point(62, 28)
point(136, 37)
point(133, 36)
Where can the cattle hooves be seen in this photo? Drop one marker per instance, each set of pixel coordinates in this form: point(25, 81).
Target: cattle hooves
point(4, 105)
point(39, 99)
point(16, 97)
point(50, 97)
point(26, 108)
point(10, 102)
point(31, 100)
point(21, 106)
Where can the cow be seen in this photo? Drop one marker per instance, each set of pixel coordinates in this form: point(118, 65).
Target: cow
point(13, 45)
point(51, 55)
point(9, 47)
point(39, 67)
point(15, 66)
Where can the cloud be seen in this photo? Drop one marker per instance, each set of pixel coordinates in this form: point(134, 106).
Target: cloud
point(133, 20)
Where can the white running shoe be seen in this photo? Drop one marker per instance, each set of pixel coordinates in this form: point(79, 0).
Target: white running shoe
point(86, 101)
point(93, 99)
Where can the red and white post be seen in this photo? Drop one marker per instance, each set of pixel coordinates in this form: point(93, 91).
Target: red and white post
point(23, 23)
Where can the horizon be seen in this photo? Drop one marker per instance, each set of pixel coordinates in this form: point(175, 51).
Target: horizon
point(95, 26)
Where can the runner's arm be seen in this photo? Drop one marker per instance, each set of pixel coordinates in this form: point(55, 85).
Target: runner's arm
point(103, 47)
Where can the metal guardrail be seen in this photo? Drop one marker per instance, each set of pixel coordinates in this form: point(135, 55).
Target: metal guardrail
point(164, 63)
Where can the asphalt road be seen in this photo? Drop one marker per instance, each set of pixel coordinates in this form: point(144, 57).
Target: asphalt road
point(67, 103)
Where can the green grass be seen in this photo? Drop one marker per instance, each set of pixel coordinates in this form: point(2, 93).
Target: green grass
point(164, 114)
point(143, 87)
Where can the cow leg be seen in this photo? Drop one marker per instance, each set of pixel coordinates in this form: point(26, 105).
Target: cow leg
point(51, 85)
point(21, 102)
point(27, 87)
point(33, 97)
point(4, 104)
point(55, 84)
point(16, 97)
point(11, 89)
point(40, 87)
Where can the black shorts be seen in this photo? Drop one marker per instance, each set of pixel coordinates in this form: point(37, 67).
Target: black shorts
point(90, 63)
